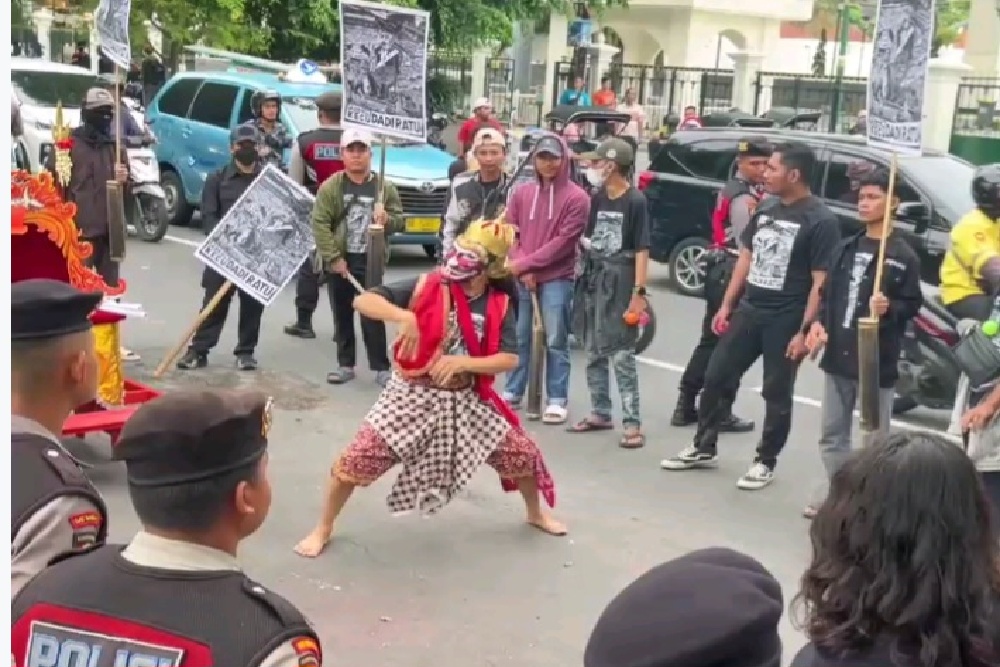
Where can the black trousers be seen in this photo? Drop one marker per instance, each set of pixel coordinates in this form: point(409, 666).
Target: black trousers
point(248, 325)
point(342, 295)
point(307, 284)
point(752, 334)
point(100, 260)
point(991, 484)
point(975, 307)
point(693, 379)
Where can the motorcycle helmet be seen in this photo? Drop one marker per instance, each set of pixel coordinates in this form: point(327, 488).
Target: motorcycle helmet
point(986, 189)
point(258, 98)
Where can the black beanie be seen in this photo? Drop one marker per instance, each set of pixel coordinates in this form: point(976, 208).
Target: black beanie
point(709, 608)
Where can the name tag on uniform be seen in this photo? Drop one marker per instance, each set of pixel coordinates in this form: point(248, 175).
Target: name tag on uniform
point(326, 152)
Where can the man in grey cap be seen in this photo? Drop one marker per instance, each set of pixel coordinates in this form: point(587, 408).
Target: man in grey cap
point(611, 293)
point(94, 164)
point(222, 189)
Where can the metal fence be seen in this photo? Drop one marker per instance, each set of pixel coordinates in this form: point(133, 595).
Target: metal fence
point(499, 82)
point(449, 81)
point(25, 43)
point(804, 93)
point(977, 107)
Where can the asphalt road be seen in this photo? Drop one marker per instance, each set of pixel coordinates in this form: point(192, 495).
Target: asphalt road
point(474, 586)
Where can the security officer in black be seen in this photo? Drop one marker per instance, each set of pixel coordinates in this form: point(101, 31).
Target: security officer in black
point(196, 463)
point(222, 189)
point(734, 207)
point(55, 510)
point(315, 158)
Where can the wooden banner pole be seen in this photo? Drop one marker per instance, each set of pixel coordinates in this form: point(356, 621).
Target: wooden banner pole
point(175, 352)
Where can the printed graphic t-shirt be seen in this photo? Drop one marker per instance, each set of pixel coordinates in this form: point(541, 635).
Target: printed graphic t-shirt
point(618, 225)
point(788, 243)
point(867, 249)
point(359, 203)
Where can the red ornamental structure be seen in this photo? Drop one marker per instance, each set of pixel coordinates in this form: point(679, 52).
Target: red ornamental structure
point(45, 243)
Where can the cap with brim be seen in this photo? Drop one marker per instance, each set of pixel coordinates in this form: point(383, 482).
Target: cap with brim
point(96, 98)
point(353, 135)
point(42, 309)
point(614, 150)
point(329, 102)
point(550, 145)
point(488, 136)
point(754, 147)
point(244, 133)
point(482, 102)
point(194, 435)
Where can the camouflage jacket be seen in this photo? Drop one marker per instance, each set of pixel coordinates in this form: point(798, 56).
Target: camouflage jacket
point(272, 144)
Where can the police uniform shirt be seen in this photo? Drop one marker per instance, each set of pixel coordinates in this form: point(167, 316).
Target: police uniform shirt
point(148, 550)
point(272, 143)
point(66, 524)
point(73, 518)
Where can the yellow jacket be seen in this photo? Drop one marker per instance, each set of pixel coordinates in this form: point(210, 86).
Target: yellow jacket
point(974, 241)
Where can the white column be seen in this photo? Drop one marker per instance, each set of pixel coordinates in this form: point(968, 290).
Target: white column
point(745, 68)
point(479, 61)
point(43, 25)
point(95, 50)
point(555, 51)
point(982, 43)
point(601, 54)
point(939, 103)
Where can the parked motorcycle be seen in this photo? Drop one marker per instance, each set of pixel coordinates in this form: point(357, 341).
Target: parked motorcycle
point(145, 206)
point(928, 370)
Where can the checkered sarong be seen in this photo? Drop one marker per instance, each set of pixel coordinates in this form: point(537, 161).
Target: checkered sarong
point(441, 437)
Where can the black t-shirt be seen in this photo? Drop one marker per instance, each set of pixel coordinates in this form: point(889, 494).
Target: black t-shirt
point(618, 225)
point(359, 203)
point(861, 257)
point(788, 243)
point(400, 293)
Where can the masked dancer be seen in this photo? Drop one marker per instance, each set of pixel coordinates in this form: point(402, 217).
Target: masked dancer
point(440, 416)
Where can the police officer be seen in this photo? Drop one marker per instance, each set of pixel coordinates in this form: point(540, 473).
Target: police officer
point(196, 464)
point(273, 135)
point(735, 205)
point(315, 158)
point(55, 510)
point(222, 189)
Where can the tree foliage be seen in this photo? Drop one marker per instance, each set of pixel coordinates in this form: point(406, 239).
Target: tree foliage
point(951, 17)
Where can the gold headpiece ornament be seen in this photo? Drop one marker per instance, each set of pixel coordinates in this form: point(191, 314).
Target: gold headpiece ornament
point(495, 238)
point(267, 418)
point(62, 144)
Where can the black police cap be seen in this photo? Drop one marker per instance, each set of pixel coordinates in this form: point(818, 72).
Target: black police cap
point(329, 102)
point(754, 147)
point(41, 309)
point(194, 435)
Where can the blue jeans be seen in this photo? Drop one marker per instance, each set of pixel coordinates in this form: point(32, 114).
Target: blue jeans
point(555, 300)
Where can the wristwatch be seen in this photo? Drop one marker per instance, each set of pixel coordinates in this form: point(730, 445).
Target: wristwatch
point(639, 290)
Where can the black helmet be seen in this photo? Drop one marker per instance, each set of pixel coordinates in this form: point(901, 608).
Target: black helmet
point(986, 189)
point(258, 98)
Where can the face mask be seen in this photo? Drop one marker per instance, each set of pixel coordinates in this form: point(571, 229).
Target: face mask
point(245, 155)
point(461, 265)
point(99, 119)
point(596, 177)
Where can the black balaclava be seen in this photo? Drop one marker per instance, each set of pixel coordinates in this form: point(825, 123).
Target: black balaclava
point(99, 119)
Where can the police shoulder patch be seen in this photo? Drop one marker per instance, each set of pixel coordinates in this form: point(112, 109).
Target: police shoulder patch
point(307, 651)
point(86, 526)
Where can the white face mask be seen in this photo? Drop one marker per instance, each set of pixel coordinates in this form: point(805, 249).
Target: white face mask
point(596, 176)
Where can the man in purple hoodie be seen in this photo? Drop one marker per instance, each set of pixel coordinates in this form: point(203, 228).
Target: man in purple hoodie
point(550, 214)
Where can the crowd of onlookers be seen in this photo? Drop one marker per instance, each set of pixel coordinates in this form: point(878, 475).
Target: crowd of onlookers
point(905, 572)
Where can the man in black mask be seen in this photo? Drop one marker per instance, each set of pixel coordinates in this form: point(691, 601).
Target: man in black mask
point(94, 164)
point(222, 189)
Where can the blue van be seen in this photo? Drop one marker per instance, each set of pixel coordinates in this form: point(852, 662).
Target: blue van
point(192, 115)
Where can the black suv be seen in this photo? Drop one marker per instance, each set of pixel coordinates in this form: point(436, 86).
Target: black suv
point(685, 176)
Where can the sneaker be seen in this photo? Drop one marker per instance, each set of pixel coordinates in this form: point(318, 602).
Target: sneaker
point(300, 330)
point(246, 362)
point(809, 512)
point(734, 424)
point(689, 459)
point(513, 402)
point(192, 360)
point(756, 478)
point(342, 375)
point(382, 378)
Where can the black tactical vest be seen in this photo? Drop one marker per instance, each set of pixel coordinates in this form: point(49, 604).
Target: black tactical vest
point(42, 472)
point(107, 605)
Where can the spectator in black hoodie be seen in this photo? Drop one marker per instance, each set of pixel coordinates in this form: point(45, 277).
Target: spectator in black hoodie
point(709, 608)
point(905, 568)
point(849, 293)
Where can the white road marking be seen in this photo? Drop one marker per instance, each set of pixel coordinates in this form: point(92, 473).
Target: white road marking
point(804, 400)
point(181, 240)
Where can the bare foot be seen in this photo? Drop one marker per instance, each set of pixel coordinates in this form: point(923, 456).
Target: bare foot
point(314, 543)
point(545, 523)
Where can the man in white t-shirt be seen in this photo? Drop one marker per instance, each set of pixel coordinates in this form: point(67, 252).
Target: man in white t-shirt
point(634, 128)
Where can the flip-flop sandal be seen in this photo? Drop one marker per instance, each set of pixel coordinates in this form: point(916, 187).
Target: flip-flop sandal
point(555, 415)
point(632, 441)
point(589, 426)
point(339, 376)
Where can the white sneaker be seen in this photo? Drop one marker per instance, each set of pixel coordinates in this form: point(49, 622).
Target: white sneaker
point(756, 478)
point(689, 459)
